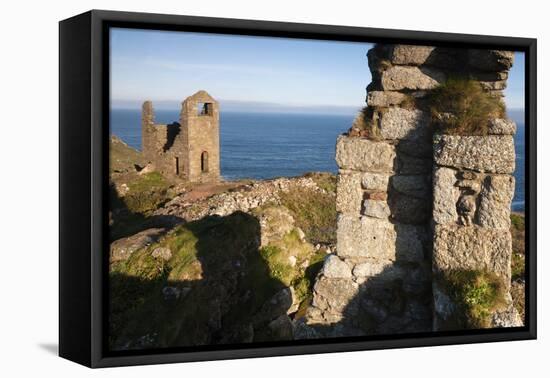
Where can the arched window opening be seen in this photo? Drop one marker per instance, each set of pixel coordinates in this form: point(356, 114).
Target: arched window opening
point(204, 162)
point(204, 109)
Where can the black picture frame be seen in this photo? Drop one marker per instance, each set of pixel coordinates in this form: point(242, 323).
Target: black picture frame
point(83, 181)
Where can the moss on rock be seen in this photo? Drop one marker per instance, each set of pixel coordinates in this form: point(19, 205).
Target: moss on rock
point(146, 193)
point(314, 211)
point(213, 272)
point(476, 293)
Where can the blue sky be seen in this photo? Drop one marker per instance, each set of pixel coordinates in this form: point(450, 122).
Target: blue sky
point(242, 72)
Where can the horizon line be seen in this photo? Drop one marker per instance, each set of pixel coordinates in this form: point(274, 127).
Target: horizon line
point(293, 108)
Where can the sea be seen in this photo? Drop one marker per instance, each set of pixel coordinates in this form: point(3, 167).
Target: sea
point(269, 145)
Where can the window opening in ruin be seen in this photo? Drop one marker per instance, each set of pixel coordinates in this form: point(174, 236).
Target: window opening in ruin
point(204, 162)
point(204, 108)
point(177, 165)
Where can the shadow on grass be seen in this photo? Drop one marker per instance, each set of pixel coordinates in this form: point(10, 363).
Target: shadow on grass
point(214, 288)
point(125, 222)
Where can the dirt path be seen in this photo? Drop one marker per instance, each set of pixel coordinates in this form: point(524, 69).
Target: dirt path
point(201, 191)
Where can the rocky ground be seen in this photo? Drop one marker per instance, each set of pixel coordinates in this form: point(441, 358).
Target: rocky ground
point(201, 264)
point(227, 262)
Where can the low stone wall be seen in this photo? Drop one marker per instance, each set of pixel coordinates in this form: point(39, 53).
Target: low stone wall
point(410, 203)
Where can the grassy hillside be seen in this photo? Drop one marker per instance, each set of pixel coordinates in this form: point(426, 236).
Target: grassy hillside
point(211, 281)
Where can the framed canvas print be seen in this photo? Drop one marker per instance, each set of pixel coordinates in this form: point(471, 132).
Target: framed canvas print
point(234, 188)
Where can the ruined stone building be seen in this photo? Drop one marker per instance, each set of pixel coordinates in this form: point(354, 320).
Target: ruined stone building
point(413, 204)
point(188, 149)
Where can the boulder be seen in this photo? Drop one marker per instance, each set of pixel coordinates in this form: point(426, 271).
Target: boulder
point(303, 331)
point(162, 253)
point(335, 293)
point(275, 223)
point(333, 267)
point(147, 169)
point(281, 328)
point(274, 307)
point(122, 249)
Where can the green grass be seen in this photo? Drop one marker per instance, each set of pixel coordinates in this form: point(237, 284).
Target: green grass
point(477, 294)
point(219, 261)
point(204, 256)
point(277, 256)
point(324, 180)
point(203, 259)
point(314, 213)
point(518, 221)
point(122, 158)
point(303, 286)
point(130, 213)
point(461, 107)
point(518, 266)
point(518, 262)
point(146, 193)
point(278, 264)
point(518, 246)
point(365, 125)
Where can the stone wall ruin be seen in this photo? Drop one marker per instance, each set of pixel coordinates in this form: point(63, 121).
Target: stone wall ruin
point(414, 203)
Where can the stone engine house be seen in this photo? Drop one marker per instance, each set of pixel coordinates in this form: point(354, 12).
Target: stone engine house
point(189, 149)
